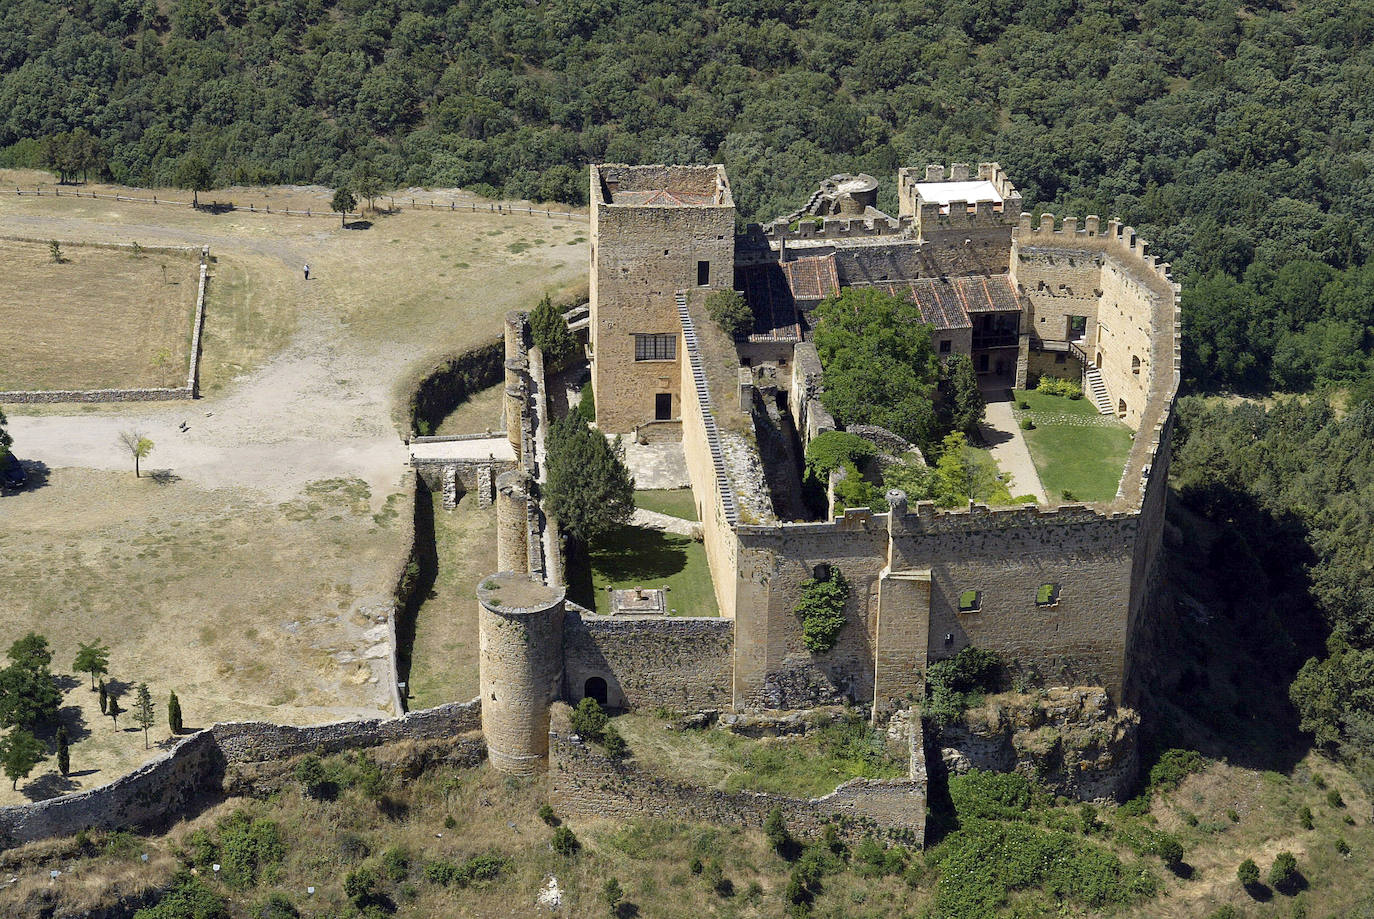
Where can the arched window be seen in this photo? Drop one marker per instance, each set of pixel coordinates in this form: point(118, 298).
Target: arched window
point(1135, 365)
point(595, 688)
point(1121, 407)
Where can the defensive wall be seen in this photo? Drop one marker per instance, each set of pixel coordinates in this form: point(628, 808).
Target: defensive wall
point(584, 782)
point(193, 773)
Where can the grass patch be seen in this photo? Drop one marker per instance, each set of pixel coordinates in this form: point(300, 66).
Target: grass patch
point(675, 502)
point(100, 319)
point(806, 765)
point(1083, 459)
point(638, 557)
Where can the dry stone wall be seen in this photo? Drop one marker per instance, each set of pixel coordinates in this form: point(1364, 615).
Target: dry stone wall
point(193, 772)
point(584, 782)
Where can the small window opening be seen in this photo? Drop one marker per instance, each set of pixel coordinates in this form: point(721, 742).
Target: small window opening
point(821, 572)
point(663, 406)
point(595, 688)
point(1061, 358)
point(1121, 407)
point(946, 346)
point(970, 601)
point(703, 274)
point(1135, 365)
point(1047, 595)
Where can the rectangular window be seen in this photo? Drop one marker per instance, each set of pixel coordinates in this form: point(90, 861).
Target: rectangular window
point(1078, 327)
point(663, 406)
point(946, 346)
point(703, 274)
point(657, 347)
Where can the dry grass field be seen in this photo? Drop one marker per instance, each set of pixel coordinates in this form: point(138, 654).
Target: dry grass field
point(101, 319)
point(246, 575)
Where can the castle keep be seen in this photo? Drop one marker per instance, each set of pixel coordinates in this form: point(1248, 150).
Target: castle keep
point(1062, 590)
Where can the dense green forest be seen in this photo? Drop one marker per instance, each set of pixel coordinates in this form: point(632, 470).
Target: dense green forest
point(1239, 139)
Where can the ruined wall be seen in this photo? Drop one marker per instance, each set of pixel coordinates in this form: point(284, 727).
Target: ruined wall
point(640, 257)
point(194, 770)
point(648, 662)
point(584, 783)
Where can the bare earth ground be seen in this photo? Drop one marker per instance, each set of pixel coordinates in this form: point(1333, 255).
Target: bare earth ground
point(102, 319)
point(242, 574)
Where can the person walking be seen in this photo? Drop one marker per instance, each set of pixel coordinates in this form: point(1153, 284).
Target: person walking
point(307, 272)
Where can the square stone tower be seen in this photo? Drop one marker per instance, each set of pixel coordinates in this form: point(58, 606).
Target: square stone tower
point(656, 230)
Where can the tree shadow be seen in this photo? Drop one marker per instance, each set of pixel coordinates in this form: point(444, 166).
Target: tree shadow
point(163, 476)
point(626, 910)
point(49, 785)
point(358, 225)
point(73, 719)
point(1182, 870)
point(1259, 892)
point(65, 682)
point(640, 555)
point(1241, 625)
point(35, 477)
point(427, 560)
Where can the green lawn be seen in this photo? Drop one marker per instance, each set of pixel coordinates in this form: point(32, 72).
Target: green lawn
point(1084, 460)
point(675, 502)
point(639, 557)
point(807, 765)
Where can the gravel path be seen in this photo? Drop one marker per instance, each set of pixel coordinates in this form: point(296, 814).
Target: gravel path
point(1000, 431)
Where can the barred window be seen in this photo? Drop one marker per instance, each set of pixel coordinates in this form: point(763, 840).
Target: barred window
point(656, 347)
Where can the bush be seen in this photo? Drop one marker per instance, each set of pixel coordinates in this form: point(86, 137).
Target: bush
point(1169, 850)
point(588, 720)
point(313, 777)
point(1027, 424)
point(991, 795)
point(1232, 815)
point(730, 311)
point(821, 610)
point(830, 450)
point(1173, 767)
point(250, 850)
point(612, 894)
point(564, 842)
point(614, 744)
point(1225, 912)
point(775, 830)
point(188, 898)
point(360, 885)
point(276, 906)
point(546, 814)
point(1342, 847)
point(1284, 872)
point(586, 403)
point(1333, 797)
point(696, 867)
point(1305, 818)
point(396, 863)
point(1248, 873)
point(1023, 405)
point(1052, 386)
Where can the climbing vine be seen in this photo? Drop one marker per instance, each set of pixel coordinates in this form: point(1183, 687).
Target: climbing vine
point(822, 610)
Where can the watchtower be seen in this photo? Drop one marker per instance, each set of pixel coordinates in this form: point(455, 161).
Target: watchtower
point(655, 230)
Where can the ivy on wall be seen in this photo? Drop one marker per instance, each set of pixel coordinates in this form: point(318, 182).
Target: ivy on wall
point(822, 610)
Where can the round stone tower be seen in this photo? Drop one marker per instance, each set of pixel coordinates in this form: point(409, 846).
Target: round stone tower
point(520, 630)
point(512, 521)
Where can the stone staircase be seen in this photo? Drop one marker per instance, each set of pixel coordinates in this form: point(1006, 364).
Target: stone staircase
point(1096, 389)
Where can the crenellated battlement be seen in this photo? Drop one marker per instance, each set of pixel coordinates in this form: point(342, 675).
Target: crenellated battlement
point(830, 228)
point(1112, 237)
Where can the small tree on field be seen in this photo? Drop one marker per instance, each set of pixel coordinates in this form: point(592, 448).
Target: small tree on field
point(64, 757)
point(612, 893)
point(1284, 872)
point(776, 830)
point(55, 251)
point(588, 720)
point(114, 711)
point(104, 699)
point(966, 398)
point(550, 331)
point(194, 173)
point(564, 841)
point(20, 751)
point(343, 203)
point(143, 710)
point(93, 658)
point(366, 180)
point(174, 714)
point(6, 440)
point(1248, 873)
point(729, 311)
point(28, 694)
point(138, 446)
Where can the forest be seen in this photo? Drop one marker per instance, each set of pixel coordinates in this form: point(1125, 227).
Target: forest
point(1237, 138)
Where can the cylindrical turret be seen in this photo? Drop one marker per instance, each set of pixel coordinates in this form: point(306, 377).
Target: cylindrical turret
point(512, 521)
point(520, 629)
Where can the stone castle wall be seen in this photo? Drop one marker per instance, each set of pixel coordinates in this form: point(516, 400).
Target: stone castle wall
point(674, 662)
point(584, 782)
point(194, 770)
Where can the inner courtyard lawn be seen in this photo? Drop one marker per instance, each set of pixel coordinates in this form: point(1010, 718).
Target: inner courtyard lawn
point(1078, 453)
point(639, 557)
point(675, 502)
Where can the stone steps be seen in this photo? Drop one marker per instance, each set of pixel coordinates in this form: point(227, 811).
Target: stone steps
point(1097, 390)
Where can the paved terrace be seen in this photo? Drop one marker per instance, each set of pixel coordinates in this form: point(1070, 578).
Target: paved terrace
point(463, 449)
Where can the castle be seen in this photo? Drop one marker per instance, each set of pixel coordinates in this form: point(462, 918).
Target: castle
point(1062, 590)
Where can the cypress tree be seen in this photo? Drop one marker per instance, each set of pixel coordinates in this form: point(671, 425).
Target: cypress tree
point(104, 699)
point(64, 761)
point(174, 714)
point(114, 711)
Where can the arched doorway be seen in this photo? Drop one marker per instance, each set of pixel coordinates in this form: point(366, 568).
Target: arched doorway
point(595, 688)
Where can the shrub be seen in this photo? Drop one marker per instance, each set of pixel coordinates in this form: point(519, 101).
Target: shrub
point(1319, 781)
point(564, 842)
point(546, 814)
point(696, 867)
point(1173, 767)
point(775, 830)
point(1333, 797)
point(1284, 872)
point(729, 310)
point(614, 744)
point(313, 777)
point(586, 403)
point(1023, 405)
point(1027, 424)
point(1305, 818)
point(1087, 817)
point(991, 795)
point(612, 894)
point(250, 850)
point(1232, 815)
point(360, 885)
point(1226, 911)
point(442, 873)
point(396, 863)
point(821, 610)
point(1052, 386)
point(550, 332)
point(714, 876)
point(1342, 847)
point(831, 450)
point(276, 906)
point(1248, 873)
point(1169, 850)
point(588, 720)
point(188, 898)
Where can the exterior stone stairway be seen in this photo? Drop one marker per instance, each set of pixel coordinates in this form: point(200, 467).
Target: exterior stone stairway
point(1092, 379)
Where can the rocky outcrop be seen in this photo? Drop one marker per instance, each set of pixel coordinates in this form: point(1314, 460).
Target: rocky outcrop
point(1072, 740)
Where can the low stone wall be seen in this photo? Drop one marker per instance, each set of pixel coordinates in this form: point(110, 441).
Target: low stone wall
point(675, 662)
point(451, 382)
point(584, 782)
point(193, 771)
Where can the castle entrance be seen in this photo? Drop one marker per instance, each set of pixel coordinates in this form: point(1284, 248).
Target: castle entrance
point(595, 688)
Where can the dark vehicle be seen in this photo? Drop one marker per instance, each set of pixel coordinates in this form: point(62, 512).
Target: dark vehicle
point(11, 472)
